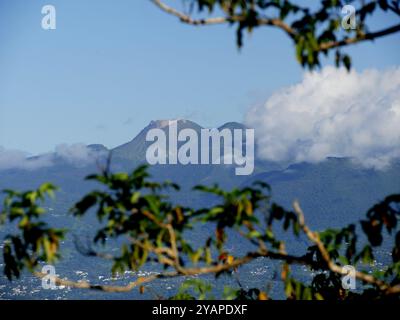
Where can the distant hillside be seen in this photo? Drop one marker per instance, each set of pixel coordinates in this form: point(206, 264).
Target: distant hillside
point(333, 192)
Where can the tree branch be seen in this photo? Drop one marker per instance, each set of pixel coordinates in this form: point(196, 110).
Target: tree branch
point(360, 38)
point(106, 288)
point(314, 237)
point(221, 20)
point(276, 23)
point(187, 19)
point(181, 272)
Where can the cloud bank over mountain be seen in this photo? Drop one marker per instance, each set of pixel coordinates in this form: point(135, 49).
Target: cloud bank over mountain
point(332, 113)
point(16, 159)
point(75, 154)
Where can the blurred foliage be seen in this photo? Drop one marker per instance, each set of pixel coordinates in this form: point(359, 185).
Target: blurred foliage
point(315, 28)
point(34, 241)
point(132, 207)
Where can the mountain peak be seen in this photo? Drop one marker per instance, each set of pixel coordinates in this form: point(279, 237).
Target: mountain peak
point(136, 148)
point(161, 124)
point(232, 125)
point(97, 148)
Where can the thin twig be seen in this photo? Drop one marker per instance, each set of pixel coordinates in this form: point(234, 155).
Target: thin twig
point(314, 237)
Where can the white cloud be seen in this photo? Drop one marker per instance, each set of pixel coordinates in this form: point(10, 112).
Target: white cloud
point(74, 154)
point(16, 159)
point(332, 113)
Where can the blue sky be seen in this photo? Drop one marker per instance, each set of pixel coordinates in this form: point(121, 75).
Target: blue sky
point(112, 66)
